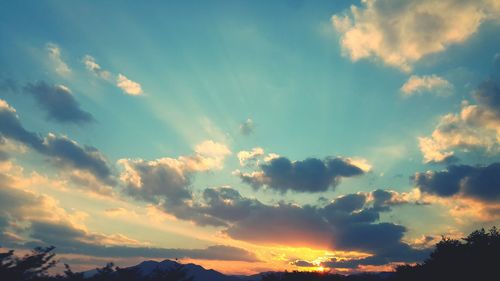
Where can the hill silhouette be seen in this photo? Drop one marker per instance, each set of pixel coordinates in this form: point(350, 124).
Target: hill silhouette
point(475, 257)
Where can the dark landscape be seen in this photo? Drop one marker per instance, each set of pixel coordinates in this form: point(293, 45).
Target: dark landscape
point(475, 257)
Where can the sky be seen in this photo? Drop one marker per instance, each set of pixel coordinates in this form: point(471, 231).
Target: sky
point(248, 136)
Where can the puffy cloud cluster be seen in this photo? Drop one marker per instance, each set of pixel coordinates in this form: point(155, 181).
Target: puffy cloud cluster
point(402, 33)
point(166, 181)
point(128, 86)
point(309, 175)
point(477, 126)
point(63, 151)
point(426, 83)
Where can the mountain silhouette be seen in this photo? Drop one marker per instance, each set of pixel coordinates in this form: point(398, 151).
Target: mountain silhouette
point(197, 272)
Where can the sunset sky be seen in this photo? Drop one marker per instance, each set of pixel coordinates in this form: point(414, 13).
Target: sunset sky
point(248, 136)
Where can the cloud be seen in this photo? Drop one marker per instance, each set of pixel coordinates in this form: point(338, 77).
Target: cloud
point(58, 102)
point(128, 86)
point(400, 34)
point(348, 223)
point(477, 126)
point(247, 128)
point(426, 83)
point(309, 175)
point(166, 181)
point(75, 241)
point(55, 56)
point(63, 151)
point(44, 223)
point(478, 182)
point(95, 68)
point(246, 157)
point(153, 181)
point(303, 263)
point(212, 154)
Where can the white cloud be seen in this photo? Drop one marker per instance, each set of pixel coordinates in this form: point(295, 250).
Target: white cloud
point(426, 83)
point(55, 56)
point(128, 86)
point(403, 32)
point(209, 155)
point(476, 126)
point(245, 156)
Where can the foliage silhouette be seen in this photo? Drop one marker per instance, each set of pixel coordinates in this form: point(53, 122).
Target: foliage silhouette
point(32, 266)
point(477, 257)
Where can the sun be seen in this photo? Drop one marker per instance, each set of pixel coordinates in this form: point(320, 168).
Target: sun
point(320, 269)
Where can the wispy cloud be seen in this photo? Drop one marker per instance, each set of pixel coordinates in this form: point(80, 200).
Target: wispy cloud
point(128, 86)
point(55, 56)
point(426, 84)
point(247, 128)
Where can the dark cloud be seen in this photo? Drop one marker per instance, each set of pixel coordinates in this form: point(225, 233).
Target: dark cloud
point(158, 181)
point(488, 95)
point(303, 263)
point(58, 102)
point(68, 152)
point(309, 175)
point(68, 239)
point(347, 223)
point(479, 182)
point(283, 224)
point(165, 183)
point(399, 253)
point(63, 151)
point(10, 127)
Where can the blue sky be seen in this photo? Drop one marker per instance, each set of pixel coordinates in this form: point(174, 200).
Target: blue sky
point(388, 90)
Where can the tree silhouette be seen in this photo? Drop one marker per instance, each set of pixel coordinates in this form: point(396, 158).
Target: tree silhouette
point(476, 257)
point(32, 266)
